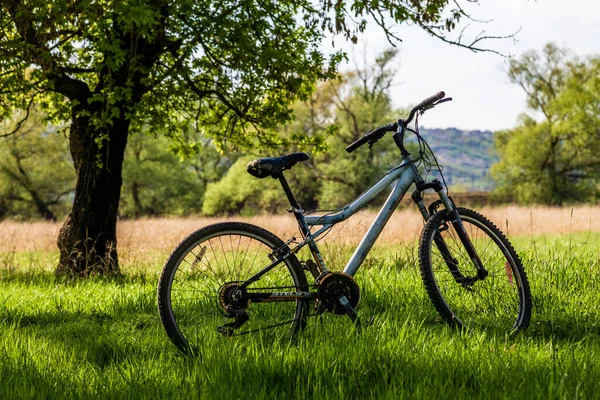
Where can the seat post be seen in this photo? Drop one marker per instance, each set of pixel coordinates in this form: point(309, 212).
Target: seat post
point(288, 192)
point(298, 213)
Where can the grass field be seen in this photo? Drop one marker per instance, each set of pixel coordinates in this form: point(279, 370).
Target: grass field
point(101, 338)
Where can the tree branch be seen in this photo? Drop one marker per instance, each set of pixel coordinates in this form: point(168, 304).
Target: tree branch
point(22, 121)
point(471, 46)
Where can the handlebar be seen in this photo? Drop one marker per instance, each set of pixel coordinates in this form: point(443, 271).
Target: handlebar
point(378, 133)
point(375, 135)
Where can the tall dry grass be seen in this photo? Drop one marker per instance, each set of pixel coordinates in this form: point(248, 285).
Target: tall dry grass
point(163, 234)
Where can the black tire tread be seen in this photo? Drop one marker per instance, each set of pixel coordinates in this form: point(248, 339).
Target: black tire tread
point(183, 247)
point(429, 280)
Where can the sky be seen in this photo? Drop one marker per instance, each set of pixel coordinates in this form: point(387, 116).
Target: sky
point(484, 97)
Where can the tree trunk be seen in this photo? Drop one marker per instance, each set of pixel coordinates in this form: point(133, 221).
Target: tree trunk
point(88, 239)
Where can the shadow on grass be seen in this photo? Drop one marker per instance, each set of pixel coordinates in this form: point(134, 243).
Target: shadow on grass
point(40, 277)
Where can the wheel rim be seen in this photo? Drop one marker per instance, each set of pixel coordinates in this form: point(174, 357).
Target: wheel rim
point(495, 302)
point(211, 263)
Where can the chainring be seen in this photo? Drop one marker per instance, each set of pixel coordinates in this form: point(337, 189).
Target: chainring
point(334, 285)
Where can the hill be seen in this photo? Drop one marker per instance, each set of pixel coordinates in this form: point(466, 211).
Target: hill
point(466, 156)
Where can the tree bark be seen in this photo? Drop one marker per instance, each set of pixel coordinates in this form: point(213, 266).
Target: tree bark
point(88, 239)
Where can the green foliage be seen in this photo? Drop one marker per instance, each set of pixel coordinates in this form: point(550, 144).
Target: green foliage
point(232, 68)
point(554, 160)
point(341, 111)
point(238, 192)
point(157, 182)
point(36, 172)
point(355, 104)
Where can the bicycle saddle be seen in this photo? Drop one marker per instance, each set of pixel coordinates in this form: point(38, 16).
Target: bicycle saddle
point(273, 166)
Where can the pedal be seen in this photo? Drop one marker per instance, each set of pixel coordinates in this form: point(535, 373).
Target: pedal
point(343, 300)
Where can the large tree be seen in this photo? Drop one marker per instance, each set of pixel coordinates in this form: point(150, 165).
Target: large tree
point(231, 68)
point(552, 155)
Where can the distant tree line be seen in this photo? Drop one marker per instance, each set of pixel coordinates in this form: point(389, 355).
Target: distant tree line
point(552, 156)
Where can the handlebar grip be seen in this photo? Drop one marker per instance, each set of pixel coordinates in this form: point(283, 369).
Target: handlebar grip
point(353, 146)
point(425, 103)
point(430, 100)
point(376, 134)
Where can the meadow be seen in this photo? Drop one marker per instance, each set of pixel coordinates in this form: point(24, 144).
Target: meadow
point(101, 337)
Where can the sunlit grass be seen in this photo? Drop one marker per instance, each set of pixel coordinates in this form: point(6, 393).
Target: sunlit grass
point(101, 338)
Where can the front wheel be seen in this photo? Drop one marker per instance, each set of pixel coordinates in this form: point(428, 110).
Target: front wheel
point(462, 295)
point(201, 292)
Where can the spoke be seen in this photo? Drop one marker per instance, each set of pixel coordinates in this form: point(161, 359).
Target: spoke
point(185, 283)
point(216, 261)
point(234, 253)
point(490, 242)
point(255, 255)
point(201, 273)
point(214, 254)
point(246, 252)
point(458, 244)
point(190, 290)
point(492, 301)
point(225, 256)
point(205, 263)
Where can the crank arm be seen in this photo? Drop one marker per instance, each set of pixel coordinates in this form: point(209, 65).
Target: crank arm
point(343, 300)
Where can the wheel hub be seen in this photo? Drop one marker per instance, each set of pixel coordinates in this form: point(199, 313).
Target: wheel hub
point(232, 295)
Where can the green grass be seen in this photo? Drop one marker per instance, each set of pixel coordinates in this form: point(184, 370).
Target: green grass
point(101, 338)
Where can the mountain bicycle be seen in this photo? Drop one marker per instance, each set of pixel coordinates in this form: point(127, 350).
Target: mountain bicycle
point(234, 278)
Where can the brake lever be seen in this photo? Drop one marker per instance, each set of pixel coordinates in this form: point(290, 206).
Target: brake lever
point(442, 101)
point(372, 142)
point(375, 138)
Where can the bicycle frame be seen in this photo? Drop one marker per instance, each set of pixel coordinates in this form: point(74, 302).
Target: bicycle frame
point(403, 175)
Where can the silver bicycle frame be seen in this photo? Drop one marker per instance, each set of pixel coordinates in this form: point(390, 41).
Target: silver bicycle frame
point(403, 175)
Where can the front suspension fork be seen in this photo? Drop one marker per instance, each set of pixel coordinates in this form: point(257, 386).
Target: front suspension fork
point(456, 222)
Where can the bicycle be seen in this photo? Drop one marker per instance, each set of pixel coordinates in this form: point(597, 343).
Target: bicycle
point(234, 278)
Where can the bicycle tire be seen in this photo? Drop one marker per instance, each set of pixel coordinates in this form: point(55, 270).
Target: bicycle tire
point(501, 301)
point(209, 258)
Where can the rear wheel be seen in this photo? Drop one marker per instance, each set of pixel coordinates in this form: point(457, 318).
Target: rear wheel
point(501, 300)
point(198, 290)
